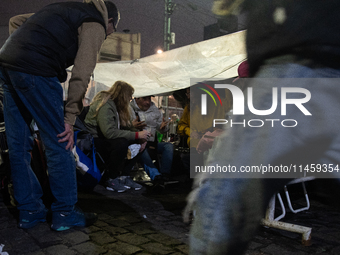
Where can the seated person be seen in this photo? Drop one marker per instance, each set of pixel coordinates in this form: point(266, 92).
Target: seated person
point(109, 111)
point(154, 120)
point(194, 125)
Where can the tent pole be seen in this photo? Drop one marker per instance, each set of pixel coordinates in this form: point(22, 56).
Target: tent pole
point(169, 8)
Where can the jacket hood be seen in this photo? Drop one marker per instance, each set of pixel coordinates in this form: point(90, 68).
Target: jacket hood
point(101, 7)
point(136, 107)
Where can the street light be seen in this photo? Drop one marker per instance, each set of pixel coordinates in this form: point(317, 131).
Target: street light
point(169, 8)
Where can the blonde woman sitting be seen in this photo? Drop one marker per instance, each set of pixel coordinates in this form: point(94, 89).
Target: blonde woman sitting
point(109, 111)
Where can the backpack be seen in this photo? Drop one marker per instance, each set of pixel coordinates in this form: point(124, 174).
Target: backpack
point(88, 173)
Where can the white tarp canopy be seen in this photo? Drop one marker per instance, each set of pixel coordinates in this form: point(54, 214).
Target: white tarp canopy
point(172, 70)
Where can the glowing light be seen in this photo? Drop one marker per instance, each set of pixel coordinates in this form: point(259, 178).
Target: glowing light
point(159, 51)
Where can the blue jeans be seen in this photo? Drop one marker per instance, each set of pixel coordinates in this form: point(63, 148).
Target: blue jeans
point(26, 98)
point(228, 210)
point(149, 166)
point(167, 152)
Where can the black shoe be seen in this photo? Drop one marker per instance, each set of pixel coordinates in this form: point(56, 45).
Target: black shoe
point(158, 180)
point(168, 179)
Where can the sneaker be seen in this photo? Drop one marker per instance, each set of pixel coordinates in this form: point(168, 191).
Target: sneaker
point(168, 179)
point(30, 219)
point(65, 220)
point(158, 180)
point(129, 183)
point(116, 185)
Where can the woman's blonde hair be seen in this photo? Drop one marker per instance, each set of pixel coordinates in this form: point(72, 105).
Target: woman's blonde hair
point(121, 93)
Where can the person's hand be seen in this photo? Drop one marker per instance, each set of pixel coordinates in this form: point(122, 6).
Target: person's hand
point(138, 124)
point(199, 151)
point(142, 147)
point(67, 135)
point(195, 134)
point(163, 124)
point(144, 135)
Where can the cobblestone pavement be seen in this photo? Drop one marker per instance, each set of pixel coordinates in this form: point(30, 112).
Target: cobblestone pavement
point(149, 222)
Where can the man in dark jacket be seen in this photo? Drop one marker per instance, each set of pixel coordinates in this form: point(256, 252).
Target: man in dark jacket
point(32, 65)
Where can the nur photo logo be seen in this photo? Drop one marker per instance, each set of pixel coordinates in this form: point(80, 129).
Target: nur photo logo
point(278, 100)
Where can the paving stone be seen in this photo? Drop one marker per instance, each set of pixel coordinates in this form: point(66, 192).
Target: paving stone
point(256, 253)
point(141, 229)
point(254, 245)
point(276, 249)
point(335, 234)
point(289, 234)
point(133, 239)
point(102, 238)
point(121, 216)
point(41, 252)
point(118, 223)
point(60, 250)
point(263, 240)
point(175, 234)
point(165, 213)
point(3, 223)
point(323, 251)
point(179, 224)
point(325, 235)
point(75, 237)
point(324, 248)
point(113, 253)
point(115, 230)
point(40, 229)
point(13, 233)
point(89, 249)
point(183, 248)
point(176, 217)
point(123, 248)
point(117, 206)
point(148, 206)
point(22, 243)
point(44, 236)
point(156, 218)
point(104, 216)
point(100, 224)
point(335, 251)
point(8, 223)
point(184, 240)
point(115, 213)
point(259, 237)
point(130, 218)
point(92, 229)
point(159, 226)
point(164, 239)
point(157, 248)
point(176, 229)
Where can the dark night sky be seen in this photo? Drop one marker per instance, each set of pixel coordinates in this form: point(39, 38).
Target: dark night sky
point(139, 16)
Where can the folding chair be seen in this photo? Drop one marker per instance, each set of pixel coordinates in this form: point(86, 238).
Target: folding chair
point(271, 221)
